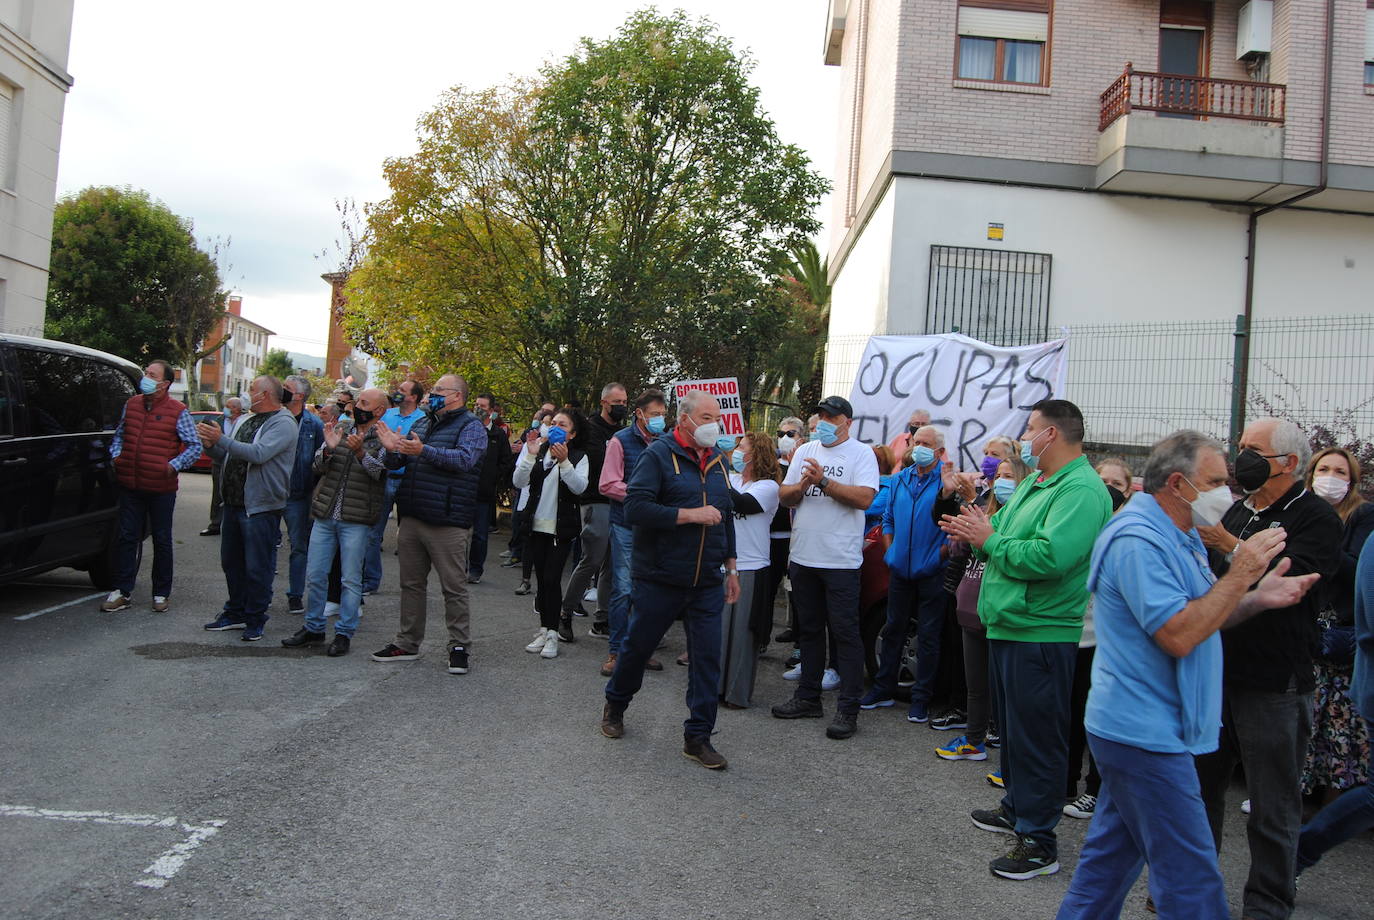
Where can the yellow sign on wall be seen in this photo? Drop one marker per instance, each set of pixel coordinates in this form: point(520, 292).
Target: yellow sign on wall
point(994, 231)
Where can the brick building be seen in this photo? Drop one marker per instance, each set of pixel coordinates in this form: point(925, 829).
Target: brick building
point(232, 368)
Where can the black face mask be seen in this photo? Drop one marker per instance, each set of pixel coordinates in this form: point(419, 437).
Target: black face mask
point(363, 416)
point(342, 407)
point(1252, 470)
point(397, 398)
point(619, 413)
point(913, 428)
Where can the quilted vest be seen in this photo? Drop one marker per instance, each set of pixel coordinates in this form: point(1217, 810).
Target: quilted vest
point(568, 519)
point(436, 496)
point(632, 443)
point(150, 443)
point(362, 500)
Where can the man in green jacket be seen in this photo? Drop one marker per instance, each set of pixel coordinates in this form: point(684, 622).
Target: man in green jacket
point(1037, 549)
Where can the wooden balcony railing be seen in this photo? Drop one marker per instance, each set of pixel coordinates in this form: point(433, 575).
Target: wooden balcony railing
point(1191, 97)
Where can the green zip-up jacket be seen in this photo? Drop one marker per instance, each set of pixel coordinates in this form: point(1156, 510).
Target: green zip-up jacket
point(1035, 584)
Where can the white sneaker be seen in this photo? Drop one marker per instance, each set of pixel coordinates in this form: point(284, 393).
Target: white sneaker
point(589, 595)
point(550, 645)
point(331, 609)
point(830, 679)
point(537, 644)
point(793, 673)
point(1245, 807)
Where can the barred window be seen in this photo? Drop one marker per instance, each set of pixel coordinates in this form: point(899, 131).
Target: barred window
point(994, 295)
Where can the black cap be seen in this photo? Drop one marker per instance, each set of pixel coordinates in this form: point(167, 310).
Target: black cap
point(835, 405)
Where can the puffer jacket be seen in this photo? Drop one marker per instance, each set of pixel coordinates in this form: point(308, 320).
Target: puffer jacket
point(666, 478)
point(430, 492)
point(363, 491)
point(151, 442)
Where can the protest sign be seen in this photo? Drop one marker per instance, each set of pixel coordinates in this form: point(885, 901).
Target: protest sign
point(726, 392)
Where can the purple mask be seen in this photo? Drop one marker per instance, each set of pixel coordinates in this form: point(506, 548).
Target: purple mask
point(990, 465)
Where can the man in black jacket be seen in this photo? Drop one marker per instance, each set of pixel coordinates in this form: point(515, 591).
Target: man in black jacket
point(1266, 717)
point(596, 518)
point(496, 469)
point(678, 501)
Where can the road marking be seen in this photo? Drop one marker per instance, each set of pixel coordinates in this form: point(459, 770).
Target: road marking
point(39, 613)
point(167, 864)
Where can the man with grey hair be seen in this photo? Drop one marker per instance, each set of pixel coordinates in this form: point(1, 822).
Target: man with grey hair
point(901, 445)
point(1156, 698)
point(309, 438)
point(233, 414)
point(1268, 677)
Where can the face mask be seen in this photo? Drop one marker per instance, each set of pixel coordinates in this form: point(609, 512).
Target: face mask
point(1209, 507)
point(1003, 489)
point(618, 413)
point(737, 461)
point(826, 433)
point(786, 446)
point(226, 413)
point(725, 444)
point(706, 435)
point(912, 429)
point(655, 424)
point(436, 402)
point(1028, 458)
point(363, 416)
point(989, 467)
point(1331, 488)
point(147, 386)
point(543, 430)
point(397, 398)
point(557, 435)
point(1252, 470)
point(922, 455)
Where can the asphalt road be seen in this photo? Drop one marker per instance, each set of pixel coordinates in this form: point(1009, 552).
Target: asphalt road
point(153, 770)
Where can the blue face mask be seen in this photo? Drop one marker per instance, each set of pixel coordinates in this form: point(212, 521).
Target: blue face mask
point(557, 435)
point(737, 461)
point(1003, 489)
point(922, 455)
point(826, 433)
point(725, 445)
point(147, 386)
point(1028, 458)
point(656, 424)
point(436, 402)
point(226, 413)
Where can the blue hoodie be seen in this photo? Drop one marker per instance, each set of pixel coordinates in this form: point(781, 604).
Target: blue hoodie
point(1362, 685)
point(910, 518)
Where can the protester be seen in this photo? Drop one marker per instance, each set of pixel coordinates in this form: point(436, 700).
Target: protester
point(442, 458)
point(831, 482)
point(1156, 698)
point(902, 443)
point(1116, 474)
point(554, 467)
point(592, 568)
point(309, 436)
point(344, 508)
point(519, 521)
point(887, 463)
point(233, 414)
point(622, 454)
point(497, 464)
point(748, 621)
point(258, 461)
point(678, 502)
point(792, 432)
point(407, 408)
point(153, 443)
point(1032, 600)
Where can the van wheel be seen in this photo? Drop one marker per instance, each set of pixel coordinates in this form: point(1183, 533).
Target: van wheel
point(101, 568)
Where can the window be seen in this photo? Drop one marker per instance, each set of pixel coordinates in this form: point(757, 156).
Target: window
point(60, 392)
point(6, 118)
point(1369, 43)
point(996, 296)
point(1003, 41)
point(115, 390)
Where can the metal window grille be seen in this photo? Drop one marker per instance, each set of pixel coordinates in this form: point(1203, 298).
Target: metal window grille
point(997, 296)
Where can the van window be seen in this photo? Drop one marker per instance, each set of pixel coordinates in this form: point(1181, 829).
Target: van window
point(8, 388)
point(115, 390)
point(59, 392)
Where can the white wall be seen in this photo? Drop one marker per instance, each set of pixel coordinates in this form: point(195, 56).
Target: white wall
point(859, 295)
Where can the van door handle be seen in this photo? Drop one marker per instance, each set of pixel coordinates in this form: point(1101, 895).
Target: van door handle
point(14, 461)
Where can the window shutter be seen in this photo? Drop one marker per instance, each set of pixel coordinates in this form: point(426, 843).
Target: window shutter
point(1011, 24)
point(1368, 36)
point(6, 115)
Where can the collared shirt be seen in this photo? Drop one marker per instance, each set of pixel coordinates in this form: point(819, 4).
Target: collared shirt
point(186, 431)
point(702, 454)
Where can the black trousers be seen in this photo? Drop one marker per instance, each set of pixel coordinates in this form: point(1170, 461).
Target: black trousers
point(547, 555)
point(828, 598)
point(1078, 735)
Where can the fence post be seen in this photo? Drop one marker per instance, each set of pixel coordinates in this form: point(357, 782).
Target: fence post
point(1239, 382)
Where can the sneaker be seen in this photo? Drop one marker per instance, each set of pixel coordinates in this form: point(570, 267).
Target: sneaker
point(457, 660)
point(830, 680)
point(843, 726)
point(251, 634)
point(590, 595)
point(799, 709)
point(115, 602)
point(1025, 861)
point(565, 631)
point(613, 720)
point(700, 750)
point(524, 588)
point(510, 563)
point(1081, 807)
point(599, 630)
point(303, 637)
point(504, 554)
point(918, 713)
point(962, 749)
point(295, 605)
point(1245, 807)
point(994, 740)
point(394, 653)
point(580, 611)
point(223, 622)
point(995, 779)
point(608, 666)
point(338, 647)
point(160, 604)
point(331, 609)
point(537, 643)
point(950, 721)
point(550, 649)
point(793, 673)
point(474, 579)
point(993, 819)
point(876, 699)
point(211, 531)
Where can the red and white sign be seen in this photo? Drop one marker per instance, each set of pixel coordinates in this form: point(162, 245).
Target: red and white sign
point(726, 392)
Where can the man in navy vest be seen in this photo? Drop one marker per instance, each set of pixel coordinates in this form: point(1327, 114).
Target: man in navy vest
point(442, 457)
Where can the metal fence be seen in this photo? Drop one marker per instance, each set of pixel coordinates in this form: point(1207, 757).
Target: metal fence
point(1137, 382)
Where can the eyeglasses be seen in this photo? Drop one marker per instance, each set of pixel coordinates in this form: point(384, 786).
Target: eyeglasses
point(787, 434)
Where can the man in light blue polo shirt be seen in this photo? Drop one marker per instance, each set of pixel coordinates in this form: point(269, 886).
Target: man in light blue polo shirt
point(405, 412)
point(1156, 681)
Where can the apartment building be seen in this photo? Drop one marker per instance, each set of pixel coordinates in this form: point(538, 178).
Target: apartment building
point(232, 368)
point(1011, 167)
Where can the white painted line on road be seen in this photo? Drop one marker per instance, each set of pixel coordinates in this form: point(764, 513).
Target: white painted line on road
point(165, 866)
point(39, 613)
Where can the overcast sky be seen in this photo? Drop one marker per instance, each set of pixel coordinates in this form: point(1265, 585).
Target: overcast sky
point(252, 117)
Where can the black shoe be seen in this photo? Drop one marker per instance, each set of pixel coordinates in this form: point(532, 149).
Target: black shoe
point(599, 630)
point(295, 605)
point(843, 726)
point(511, 563)
point(1025, 861)
point(578, 611)
point(338, 647)
point(457, 660)
point(474, 579)
point(211, 531)
point(565, 630)
point(992, 819)
point(954, 719)
point(302, 637)
point(786, 635)
point(799, 709)
point(700, 750)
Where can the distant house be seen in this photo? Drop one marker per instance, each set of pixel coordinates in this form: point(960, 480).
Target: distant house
point(230, 369)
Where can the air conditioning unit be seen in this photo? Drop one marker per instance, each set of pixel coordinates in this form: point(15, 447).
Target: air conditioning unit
point(1254, 29)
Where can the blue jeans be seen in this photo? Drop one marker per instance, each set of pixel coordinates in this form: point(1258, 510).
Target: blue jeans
point(1349, 815)
point(656, 607)
point(350, 542)
point(1149, 811)
point(925, 599)
point(618, 612)
point(372, 562)
point(138, 513)
point(297, 515)
point(248, 555)
point(481, 533)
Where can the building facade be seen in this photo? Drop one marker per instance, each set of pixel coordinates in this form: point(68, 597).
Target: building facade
point(1009, 168)
point(34, 39)
point(232, 368)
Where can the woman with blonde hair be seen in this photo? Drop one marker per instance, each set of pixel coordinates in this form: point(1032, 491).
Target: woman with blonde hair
point(745, 624)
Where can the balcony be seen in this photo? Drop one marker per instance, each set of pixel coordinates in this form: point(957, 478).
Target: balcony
point(1191, 97)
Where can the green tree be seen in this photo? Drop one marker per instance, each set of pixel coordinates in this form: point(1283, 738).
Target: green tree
point(809, 280)
point(127, 277)
point(277, 362)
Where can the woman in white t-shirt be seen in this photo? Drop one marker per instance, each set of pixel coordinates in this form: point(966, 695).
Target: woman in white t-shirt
point(754, 491)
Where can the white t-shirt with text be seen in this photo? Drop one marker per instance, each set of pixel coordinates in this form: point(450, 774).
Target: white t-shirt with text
point(751, 530)
point(825, 533)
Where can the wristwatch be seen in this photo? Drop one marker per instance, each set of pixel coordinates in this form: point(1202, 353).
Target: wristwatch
point(825, 481)
point(729, 572)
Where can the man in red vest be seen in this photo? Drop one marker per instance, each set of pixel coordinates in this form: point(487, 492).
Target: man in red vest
point(154, 442)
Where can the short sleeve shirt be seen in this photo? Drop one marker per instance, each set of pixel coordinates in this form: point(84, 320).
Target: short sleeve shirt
point(825, 533)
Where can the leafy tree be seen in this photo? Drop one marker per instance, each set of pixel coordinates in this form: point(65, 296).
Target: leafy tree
point(277, 362)
point(127, 277)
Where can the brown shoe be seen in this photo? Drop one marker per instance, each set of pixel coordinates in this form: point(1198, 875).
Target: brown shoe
point(161, 605)
point(115, 602)
point(653, 664)
point(613, 721)
point(608, 666)
point(682, 659)
point(700, 750)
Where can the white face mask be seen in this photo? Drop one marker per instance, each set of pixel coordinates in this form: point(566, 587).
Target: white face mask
point(706, 435)
point(787, 445)
point(544, 431)
point(1209, 507)
point(1331, 488)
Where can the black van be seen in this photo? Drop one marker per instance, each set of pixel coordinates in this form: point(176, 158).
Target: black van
point(59, 407)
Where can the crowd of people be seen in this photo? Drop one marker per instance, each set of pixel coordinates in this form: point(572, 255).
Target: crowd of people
point(1147, 634)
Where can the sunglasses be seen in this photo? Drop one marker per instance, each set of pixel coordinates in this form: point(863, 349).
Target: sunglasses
point(787, 434)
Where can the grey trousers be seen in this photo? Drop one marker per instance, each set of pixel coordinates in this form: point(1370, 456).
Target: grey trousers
point(596, 530)
point(738, 648)
point(420, 547)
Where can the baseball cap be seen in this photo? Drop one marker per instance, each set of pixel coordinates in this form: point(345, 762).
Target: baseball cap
point(835, 405)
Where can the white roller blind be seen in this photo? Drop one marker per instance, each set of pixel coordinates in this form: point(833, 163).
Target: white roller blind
point(6, 114)
point(1014, 24)
point(1369, 35)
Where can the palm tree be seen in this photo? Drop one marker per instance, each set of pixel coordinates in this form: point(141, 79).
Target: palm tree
point(811, 275)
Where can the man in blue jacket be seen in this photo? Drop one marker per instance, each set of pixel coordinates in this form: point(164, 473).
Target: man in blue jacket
point(309, 437)
point(916, 560)
point(678, 502)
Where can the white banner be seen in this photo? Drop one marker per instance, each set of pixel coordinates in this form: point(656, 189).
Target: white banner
point(726, 392)
point(972, 390)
